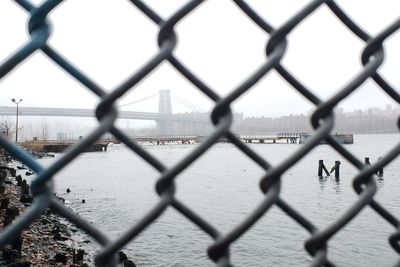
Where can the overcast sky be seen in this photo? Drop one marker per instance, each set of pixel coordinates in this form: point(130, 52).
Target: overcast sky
point(110, 40)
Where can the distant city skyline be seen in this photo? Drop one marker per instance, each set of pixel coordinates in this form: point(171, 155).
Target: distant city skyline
point(321, 53)
point(370, 120)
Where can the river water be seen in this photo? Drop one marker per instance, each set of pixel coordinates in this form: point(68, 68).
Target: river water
point(223, 187)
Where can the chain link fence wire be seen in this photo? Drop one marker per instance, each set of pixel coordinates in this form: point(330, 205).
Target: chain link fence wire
point(270, 184)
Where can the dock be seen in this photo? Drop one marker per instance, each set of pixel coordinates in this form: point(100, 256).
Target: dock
point(341, 138)
point(294, 138)
point(289, 138)
point(55, 146)
point(162, 140)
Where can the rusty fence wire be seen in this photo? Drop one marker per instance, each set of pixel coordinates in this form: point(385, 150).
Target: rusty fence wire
point(270, 184)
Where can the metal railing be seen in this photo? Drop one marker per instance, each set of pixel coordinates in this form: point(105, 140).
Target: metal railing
point(270, 184)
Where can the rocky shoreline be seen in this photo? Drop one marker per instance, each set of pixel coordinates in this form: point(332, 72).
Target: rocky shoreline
point(49, 240)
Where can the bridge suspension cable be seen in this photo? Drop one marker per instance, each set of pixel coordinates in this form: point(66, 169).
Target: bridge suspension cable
point(139, 100)
point(187, 103)
point(177, 98)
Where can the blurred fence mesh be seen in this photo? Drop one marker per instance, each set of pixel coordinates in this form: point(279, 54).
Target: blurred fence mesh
point(106, 112)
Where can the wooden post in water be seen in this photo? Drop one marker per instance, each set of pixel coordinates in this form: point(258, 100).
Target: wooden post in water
point(321, 167)
point(320, 164)
point(336, 168)
point(366, 161)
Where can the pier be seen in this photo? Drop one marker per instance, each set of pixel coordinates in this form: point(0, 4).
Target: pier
point(162, 140)
point(294, 138)
point(344, 138)
point(290, 138)
point(56, 146)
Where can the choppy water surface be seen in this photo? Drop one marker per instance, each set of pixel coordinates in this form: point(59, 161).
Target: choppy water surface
point(223, 187)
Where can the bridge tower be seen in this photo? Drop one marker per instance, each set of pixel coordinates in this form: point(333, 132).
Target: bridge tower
point(164, 110)
point(164, 102)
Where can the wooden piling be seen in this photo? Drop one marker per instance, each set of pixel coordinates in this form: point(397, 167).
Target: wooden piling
point(336, 168)
point(320, 163)
point(321, 167)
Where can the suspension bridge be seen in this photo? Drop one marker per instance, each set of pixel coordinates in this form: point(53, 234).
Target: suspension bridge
point(194, 123)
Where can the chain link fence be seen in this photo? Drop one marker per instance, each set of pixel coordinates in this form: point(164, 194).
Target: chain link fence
point(270, 184)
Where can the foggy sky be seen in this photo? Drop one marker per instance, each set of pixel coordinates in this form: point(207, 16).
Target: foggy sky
point(110, 40)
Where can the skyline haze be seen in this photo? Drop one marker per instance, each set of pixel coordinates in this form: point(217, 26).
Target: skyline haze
point(210, 46)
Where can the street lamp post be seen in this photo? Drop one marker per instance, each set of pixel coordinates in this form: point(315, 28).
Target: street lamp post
point(16, 122)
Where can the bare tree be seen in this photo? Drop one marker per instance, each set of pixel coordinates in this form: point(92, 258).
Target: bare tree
point(8, 125)
point(45, 130)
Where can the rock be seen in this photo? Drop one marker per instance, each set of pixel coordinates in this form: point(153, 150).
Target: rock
point(68, 190)
point(25, 187)
point(10, 254)
point(79, 255)
point(7, 182)
point(17, 244)
point(129, 263)
point(56, 229)
point(61, 199)
point(122, 256)
point(19, 180)
point(124, 259)
point(59, 237)
point(39, 257)
point(3, 175)
point(11, 213)
point(4, 203)
point(21, 264)
point(28, 239)
point(60, 257)
point(44, 221)
point(2, 189)
point(83, 201)
point(26, 199)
